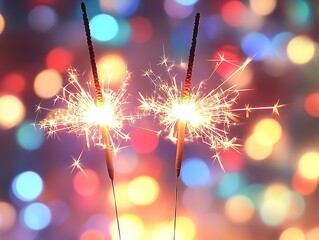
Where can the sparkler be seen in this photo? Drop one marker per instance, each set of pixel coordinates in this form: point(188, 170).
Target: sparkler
point(100, 119)
point(188, 114)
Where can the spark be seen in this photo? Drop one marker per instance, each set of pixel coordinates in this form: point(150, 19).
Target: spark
point(77, 113)
point(209, 117)
point(77, 164)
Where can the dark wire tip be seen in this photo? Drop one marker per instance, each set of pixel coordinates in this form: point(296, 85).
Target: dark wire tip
point(83, 7)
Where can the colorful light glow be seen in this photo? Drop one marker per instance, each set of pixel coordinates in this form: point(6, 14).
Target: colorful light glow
point(127, 161)
point(256, 148)
point(143, 190)
point(292, 233)
point(122, 7)
point(122, 195)
point(12, 111)
point(29, 137)
point(27, 186)
point(268, 131)
point(312, 104)
point(186, 228)
point(176, 10)
point(93, 234)
point(275, 205)
point(229, 185)
point(232, 160)
point(187, 2)
point(112, 68)
point(47, 83)
point(144, 141)
point(261, 7)
point(308, 165)
point(42, 18)
point(142, 30)
point(2, 24)
point(132, 227)
point(13, 83)
point(303, 185)
point(59, 59)
point(7, 216)
point(299, 13)
point(239, 209)
point(198, 200)
point(313, 233)
point(301, 49)
point(97, 25)
point(98, 222)
point(36, 216)
point(256, 45)
point(86, 184)
point(233, 13)
point(195, 173)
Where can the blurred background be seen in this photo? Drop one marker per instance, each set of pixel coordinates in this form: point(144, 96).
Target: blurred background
point(269, 187)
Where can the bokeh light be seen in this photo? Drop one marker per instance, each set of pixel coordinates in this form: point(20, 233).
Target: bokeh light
point(313, 233)
point(303, 185)
point(256, 45)
point(279, 44)
point(239, 209)
point(256, 149)
point(292, 233)
point(86, 184)
point(144, 141)
point(233, 13)
point(312, 104)
point(229, 185)
point(42, 18)
point(29, 137)
point(131, 225)
point(47, 83)
point(268, 131)
point(2, 23)
point(263, 7)
point(93, 234)
point(142, 30)
point(13, 83)
point(7, 216)
point(232, 161)
point(122, 195)
point(112, 68)
point(143, 190)
point(299, 13)
point(126, 161)
point(276, 204)
point(195, 173)
point(301, 49)
point(123, 35)
point(186, 228)
point(36, 216)
point(12, 111)
point(98, 222)
point(59, 59)
point(308, 165)
point(186, 2)
point(197, 199)
point(98, 30)
point(27, 186)
point(122, 7)
point(176, 10)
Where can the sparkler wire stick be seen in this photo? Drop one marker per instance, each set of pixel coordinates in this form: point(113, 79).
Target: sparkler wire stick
point(99, 103)
point(185, 99)
point(181, 127)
